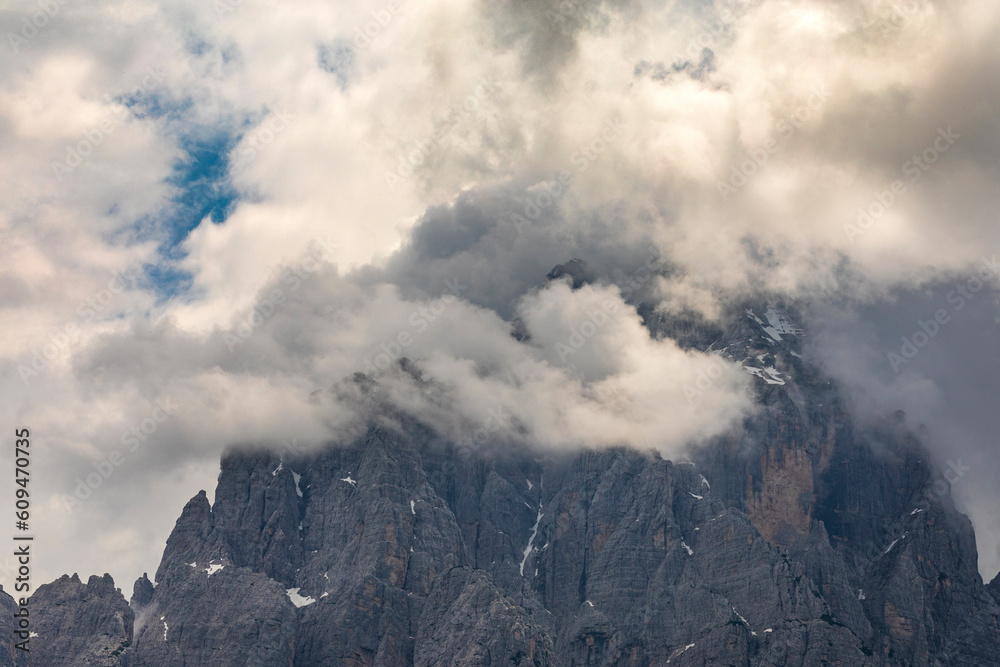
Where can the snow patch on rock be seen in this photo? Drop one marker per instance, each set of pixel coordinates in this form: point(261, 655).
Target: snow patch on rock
point(531, 540)
point(298, 600)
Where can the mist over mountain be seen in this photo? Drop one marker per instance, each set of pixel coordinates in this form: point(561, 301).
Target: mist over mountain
point(691, 307)
point(801, 536)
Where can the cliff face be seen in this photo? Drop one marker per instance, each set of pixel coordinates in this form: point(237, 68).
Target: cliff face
point(8, 624)
point(611, 558)
point(994, 588)
point(72, 624)
point(798, 539)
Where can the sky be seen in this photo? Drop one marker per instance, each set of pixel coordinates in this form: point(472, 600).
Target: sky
point(211, 210)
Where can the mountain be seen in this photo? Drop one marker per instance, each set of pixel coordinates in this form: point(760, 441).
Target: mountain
point(73, 623)
point(800, 538)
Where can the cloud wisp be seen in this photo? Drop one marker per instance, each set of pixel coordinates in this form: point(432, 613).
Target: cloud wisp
point(449, 155)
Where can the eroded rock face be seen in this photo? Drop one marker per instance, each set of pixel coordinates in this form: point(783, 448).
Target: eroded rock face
point(994, 588)
point(142, 593)
point(458, 626)
point(80, 624)
point(8, 654)
point(798, 539)
point(232, 617)
point(209, 607)
point(412, 553)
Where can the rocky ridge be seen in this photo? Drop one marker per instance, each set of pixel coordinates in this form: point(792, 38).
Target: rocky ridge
point(800, 538)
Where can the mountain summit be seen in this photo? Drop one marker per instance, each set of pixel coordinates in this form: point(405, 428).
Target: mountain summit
point(799, 538)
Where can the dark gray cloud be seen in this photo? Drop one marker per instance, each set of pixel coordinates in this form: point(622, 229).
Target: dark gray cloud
point(500, 244)
point(935, 354)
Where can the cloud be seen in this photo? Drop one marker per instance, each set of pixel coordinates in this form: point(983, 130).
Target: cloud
point(293, 204)
point(946, 384)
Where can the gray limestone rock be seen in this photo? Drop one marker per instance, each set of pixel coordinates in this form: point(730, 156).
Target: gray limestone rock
point(80, 624)
point(142, 593)
point(9, 655)
point(800, 538)
point(994, 588)
point(468, 622)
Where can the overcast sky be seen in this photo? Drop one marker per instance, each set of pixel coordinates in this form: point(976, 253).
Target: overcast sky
point(210, 210)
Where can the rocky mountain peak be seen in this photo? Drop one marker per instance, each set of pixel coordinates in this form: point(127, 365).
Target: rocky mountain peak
point(575, 270)
point(798, 538)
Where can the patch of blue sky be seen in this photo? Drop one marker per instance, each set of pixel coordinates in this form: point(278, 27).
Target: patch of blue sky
point(202, 191)
point(337, 58)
